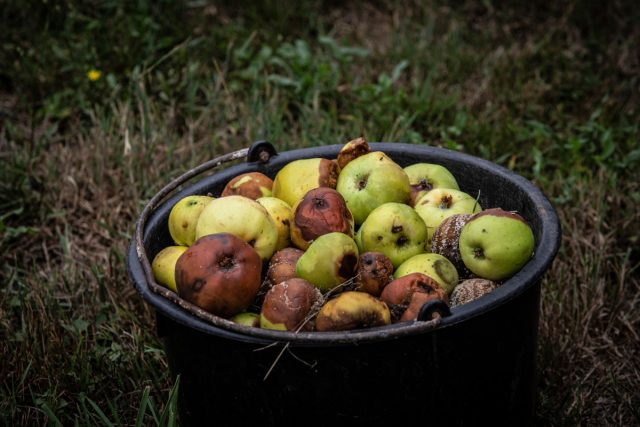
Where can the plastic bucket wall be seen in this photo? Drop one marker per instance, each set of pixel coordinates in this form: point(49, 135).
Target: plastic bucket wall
point(476, 366)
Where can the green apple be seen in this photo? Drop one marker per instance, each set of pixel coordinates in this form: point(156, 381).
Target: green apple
point(247, 318)
point(495, 244)
point(164, 266)
point(371, 180)
point(295, 179)
point(433, 265)
point(396, 230)
point(331, 259)
point(184, 217)
point(441, 203)
point(281, 214)
point(358, 239)
point(242, 217)
point(424, 177)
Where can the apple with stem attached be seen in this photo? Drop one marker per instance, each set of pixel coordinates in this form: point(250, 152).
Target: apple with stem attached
point(441, 203)
point(370, 181)
point(495, 244)
point(424, 177)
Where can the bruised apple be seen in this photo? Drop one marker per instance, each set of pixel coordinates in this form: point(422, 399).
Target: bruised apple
point(352, 310)
point(331, 260)
point(282, 266)
point(321, 211)
point(252, 185)
point(375, 271)
point(287, 305)
point(294, 180)
point(219, 273)
point(407, 294)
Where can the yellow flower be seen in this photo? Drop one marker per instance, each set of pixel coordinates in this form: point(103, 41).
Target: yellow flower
point(93, 75)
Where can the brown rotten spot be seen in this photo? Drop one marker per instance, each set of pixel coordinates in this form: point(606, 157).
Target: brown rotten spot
point(351, 150)
point(446, 238)
point(321, 211)
point(375, 271)
point(219, 273)
point(407, 294)
point(252, 185)
point(471, 289)
point(328, 173)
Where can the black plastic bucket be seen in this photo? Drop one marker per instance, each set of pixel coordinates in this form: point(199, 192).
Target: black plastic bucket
point(473, 366)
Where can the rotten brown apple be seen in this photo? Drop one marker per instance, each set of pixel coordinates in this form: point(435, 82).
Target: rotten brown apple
point(287, 305)
point(407, 294)
point(282, 266)
point(375, 271)
point(219, 273)
point(321, 211)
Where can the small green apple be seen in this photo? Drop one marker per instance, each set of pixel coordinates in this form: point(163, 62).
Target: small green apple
point(371, 180)
point(331, 259)
point(433, 265)
point(441, 203)
point(495, 244)
point(396, 230)
point(424, 177)
point(247, 319)
point(242, 217)
point(184, 217)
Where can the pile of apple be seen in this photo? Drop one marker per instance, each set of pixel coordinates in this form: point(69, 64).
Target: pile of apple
point(339, 244)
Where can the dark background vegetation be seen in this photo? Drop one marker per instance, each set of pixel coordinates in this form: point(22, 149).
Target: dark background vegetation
point(548, 89)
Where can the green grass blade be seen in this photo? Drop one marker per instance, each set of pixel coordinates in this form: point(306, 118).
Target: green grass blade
point(52, 417)
point(144, 402)
point(168, 415)
point(100, 414)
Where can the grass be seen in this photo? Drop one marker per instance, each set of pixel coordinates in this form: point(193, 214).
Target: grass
point(548, 91)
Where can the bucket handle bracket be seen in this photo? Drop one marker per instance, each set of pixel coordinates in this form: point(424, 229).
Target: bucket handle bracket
point(261, 152)
point(433, 309)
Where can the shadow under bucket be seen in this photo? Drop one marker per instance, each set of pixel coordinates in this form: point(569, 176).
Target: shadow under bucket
point(474, 366)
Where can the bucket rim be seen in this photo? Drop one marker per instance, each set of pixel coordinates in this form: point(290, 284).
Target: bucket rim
point(168, 304)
